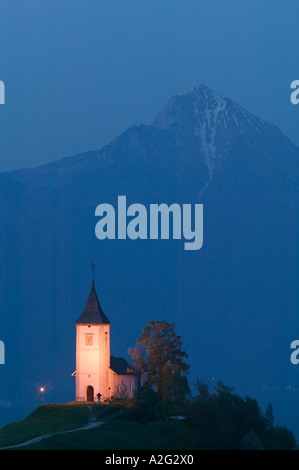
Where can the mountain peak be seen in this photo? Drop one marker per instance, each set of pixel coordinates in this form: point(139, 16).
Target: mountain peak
point(203, 92)
point(202, 112)
point(218, 124)
point(198, 106)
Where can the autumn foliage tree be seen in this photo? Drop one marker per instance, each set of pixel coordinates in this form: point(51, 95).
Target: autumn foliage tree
point(166, 369)
point(139, 360)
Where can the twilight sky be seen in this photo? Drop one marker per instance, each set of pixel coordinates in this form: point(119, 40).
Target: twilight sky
point(79, 72)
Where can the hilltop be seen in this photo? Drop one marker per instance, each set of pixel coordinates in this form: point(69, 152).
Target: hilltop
point(211, 420)
point(116, 430)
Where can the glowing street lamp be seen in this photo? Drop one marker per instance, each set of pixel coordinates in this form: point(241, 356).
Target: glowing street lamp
point(42, 392)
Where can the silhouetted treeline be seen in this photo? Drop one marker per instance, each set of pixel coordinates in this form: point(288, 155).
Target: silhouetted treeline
point(210, 419)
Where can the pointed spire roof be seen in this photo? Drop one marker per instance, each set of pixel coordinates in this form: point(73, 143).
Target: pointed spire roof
point(93, 313)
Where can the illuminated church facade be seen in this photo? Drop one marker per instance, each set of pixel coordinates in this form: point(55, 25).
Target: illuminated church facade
point(97, 372)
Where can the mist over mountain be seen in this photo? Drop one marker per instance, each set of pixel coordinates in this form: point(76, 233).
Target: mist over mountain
point(233, 302)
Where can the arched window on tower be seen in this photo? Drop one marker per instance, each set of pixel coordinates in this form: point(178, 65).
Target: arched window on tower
point(88, 339)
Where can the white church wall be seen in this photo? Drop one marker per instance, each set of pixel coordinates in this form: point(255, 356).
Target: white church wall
point(129, 381)
point(92, 360)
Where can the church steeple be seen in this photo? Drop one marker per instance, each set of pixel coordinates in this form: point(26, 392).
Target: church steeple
point(92, 350)
point(95, 374)
point(93, 312)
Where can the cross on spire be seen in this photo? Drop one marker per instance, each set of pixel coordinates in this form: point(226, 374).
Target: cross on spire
point(93, 268)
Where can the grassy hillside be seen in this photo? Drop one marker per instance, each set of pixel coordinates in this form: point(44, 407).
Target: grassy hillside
point(217, 420)
point(117, 431)
point(44, 420)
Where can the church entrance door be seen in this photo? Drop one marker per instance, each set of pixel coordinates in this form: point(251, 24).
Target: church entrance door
point(89, 393)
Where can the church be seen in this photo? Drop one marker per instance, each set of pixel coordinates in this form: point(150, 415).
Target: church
point(96, 371)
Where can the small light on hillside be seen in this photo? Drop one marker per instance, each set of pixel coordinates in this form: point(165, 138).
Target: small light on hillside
point(42, 392)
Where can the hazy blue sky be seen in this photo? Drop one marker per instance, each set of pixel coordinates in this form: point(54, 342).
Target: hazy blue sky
point(79, 72)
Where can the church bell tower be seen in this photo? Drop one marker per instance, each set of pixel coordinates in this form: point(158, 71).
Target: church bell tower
point(92, 351)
